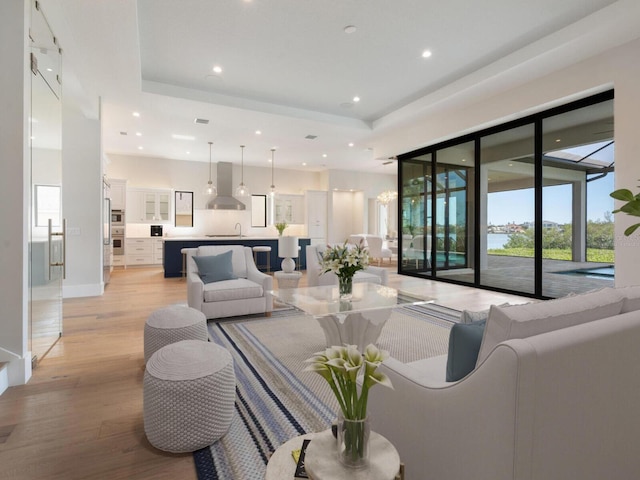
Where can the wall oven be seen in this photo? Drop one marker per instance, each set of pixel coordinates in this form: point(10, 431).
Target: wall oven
point(117, 237)
point(117, 217)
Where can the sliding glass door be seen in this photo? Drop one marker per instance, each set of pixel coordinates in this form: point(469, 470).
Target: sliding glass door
point(522, 207)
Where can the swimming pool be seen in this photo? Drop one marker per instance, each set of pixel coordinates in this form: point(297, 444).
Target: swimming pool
point(603, 273)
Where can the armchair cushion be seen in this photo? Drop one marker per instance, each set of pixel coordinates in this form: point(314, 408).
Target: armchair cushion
point(464, 345)
point(237, 289)
point(215, 268)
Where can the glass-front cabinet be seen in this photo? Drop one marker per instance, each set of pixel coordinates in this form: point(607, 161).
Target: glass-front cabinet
point(148, 206)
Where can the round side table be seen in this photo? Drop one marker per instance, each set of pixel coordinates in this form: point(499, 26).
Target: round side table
point(288, 280)
point(322, 464)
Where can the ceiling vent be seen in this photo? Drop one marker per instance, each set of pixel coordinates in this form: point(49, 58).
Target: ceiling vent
point(311, 137)
point(201, 121)
point(123, 133)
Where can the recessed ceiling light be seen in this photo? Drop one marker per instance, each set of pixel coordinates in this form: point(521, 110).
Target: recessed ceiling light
point(138, 134)
point(356, 99)
point(140, 148)
point(426, 53)
point(558, 140)
point(136, 114)
point(217, 69)
point(258, 132)
point(511, 164)
point(351, 144)
point(304, 164)
point(464, 159)
point(49, 69)
point(182, 137)
point(350, 29)
point(324, 155)
point(188, 152)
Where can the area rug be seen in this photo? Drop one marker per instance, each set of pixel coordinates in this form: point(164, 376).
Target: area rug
point(276, 400)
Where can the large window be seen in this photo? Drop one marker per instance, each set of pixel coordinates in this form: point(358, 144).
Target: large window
point(535, 220)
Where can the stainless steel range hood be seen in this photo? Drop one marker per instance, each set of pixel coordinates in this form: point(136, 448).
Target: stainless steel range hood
point(225, 199)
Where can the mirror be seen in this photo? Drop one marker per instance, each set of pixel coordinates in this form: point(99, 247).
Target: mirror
point(184, 209)
point(258, 210)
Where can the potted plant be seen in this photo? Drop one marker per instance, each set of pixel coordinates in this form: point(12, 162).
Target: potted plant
point(632, 207)
point(344, 261)
point(280, 226)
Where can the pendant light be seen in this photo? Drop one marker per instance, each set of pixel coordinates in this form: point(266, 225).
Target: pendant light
point(273, 185)
point(242, 190)
point(210, 189)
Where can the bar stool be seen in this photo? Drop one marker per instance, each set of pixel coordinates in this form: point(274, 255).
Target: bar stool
point(262, 249)
point(184, 252)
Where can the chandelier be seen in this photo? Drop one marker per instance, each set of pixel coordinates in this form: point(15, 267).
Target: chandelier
point(387, 197)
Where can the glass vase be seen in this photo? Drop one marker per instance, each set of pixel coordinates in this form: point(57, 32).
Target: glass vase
point(353, 442)
point(345, 287)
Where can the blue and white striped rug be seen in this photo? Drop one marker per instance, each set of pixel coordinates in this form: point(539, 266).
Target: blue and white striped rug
point(276, 400)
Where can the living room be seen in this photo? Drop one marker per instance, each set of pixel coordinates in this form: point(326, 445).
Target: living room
point(593, 54)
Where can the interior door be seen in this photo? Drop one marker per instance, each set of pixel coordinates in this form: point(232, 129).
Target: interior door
point(46, 225)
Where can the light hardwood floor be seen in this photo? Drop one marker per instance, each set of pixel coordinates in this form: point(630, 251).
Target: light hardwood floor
point(80, 415)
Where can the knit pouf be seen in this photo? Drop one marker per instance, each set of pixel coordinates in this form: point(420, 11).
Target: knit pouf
point(189, 395)
point(172, 324)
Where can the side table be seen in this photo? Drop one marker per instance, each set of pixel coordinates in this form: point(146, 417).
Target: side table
point(288, 280)
point(322, 463)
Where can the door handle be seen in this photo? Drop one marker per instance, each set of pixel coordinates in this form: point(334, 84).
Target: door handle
point(62, 234)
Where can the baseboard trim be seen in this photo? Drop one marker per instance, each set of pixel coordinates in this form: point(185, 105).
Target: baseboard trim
point(87, 290)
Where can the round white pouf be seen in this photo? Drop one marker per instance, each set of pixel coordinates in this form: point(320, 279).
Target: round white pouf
point(172, 324)
point(189, 395)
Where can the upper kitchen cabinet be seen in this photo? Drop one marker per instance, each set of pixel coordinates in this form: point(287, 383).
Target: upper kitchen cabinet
point(118, 194)
point(289, 208)
point(148, 206)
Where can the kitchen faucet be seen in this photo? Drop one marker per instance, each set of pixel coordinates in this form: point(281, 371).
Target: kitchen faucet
point(238, 225)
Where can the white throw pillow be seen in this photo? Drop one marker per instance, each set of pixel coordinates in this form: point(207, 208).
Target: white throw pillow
point(522, 321)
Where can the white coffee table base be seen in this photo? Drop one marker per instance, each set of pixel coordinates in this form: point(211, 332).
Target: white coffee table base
point(322, 463)
point(360, 328)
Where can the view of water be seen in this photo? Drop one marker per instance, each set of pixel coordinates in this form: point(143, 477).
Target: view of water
point(496, 240)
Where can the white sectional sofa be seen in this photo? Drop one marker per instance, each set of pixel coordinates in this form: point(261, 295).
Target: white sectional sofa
point(245, 294)
point(315, 276)
point(554, 396)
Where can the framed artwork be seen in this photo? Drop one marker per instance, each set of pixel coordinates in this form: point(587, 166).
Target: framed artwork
point(258, 210)
point(184, 209)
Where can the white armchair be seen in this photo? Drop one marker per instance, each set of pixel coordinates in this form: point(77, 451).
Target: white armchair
point(315, 277)
point(244, 295)
point(376, 248)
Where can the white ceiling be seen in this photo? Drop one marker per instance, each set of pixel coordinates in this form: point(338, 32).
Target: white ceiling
point(289, 69)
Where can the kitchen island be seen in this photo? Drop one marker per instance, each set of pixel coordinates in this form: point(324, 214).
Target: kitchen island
point(172, 259)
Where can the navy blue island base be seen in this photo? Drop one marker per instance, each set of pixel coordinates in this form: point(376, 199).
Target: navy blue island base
point(173, 256)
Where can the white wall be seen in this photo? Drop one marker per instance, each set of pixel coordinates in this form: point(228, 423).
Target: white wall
point(82, 202)
point(618, 67)
point(15, 90)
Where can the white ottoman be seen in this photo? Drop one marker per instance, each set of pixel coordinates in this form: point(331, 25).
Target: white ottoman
point(172, 324)
point(189, 395)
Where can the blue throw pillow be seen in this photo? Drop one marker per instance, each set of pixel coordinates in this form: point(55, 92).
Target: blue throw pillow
point(464, 345)
point(215, 268)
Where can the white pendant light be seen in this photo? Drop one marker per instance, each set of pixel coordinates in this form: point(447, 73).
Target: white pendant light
point(210, 189)
point(273, 185)
point(242, 190)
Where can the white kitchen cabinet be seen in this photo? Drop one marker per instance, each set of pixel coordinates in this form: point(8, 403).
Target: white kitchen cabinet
point(139, 251)
point(148, 206)
point(144, 251)
point(157, 247)
point(289, 208)
point(118, 194)
point(316, 206)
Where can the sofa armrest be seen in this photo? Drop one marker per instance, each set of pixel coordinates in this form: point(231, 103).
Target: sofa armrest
point(195, 290)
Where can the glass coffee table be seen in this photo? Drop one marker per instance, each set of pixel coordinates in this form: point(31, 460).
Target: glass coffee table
point(357, 321)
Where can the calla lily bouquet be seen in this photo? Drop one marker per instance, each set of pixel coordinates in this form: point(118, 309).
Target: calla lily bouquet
point(341, 366)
